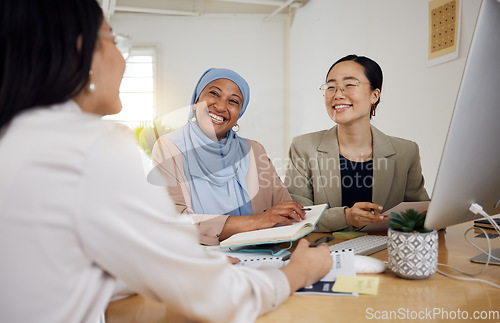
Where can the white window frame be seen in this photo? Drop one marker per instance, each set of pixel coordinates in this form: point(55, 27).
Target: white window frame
point(138, 51)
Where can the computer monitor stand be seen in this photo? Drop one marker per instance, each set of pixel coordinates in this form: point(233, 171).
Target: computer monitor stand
point(482, 257)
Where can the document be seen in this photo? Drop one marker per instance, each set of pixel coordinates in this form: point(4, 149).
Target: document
point(278, 234)
point(269, 256)
point(259, 261)
point(343, 265)
point(403, 206)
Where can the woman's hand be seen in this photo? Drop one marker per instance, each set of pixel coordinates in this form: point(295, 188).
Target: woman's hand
point(364, 213)
point(233, 260)
point(284, 212)
point(307, 265)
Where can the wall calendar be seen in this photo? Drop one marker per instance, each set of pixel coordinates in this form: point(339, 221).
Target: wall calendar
point(444, 31)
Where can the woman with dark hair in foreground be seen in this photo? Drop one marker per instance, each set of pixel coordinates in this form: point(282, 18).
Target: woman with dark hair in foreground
point(77, 214)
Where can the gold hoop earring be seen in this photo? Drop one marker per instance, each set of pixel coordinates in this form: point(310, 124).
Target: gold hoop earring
point(237, 128)
point(193, 119)
point(91, 84)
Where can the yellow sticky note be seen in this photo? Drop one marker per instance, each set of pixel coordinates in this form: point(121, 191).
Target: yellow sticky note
point(356, 284)
point(349, 234)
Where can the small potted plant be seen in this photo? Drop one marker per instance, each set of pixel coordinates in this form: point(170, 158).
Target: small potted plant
point(412, 249)
point(148, 132)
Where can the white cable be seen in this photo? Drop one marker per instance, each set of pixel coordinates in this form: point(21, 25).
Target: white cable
point(485, 265)
point(467, 278)
point(488, 253)
point(476, 208)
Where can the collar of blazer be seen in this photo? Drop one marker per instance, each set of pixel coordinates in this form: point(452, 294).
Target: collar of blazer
point(383, 168)
point(382, 146)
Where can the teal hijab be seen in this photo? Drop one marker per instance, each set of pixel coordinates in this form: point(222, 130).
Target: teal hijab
point(215, 170)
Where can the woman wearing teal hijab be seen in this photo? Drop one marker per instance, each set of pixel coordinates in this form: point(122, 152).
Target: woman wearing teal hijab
point(213, 171)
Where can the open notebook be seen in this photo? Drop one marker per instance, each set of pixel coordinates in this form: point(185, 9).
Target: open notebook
point(278, 234)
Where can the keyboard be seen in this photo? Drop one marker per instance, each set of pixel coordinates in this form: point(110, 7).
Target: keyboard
point(365, 245)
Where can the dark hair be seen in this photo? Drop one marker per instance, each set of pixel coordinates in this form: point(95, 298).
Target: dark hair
point(373, 72)
point(40, 61)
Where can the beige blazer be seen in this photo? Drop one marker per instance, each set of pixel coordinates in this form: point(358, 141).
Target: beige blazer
point(313, 174)
point(263, 184)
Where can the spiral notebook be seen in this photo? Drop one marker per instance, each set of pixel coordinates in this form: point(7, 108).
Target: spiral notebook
point(259, 261)
point(343, 264)
point(263, 256)
point(269, 256)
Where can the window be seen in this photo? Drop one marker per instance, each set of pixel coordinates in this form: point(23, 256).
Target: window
point(138, 88)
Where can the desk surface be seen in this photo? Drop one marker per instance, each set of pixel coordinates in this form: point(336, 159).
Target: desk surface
point(435, 298)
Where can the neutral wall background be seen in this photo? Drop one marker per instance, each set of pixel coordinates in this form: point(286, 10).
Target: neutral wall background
point(285, 66)
point(188, 46)
point(416, 102)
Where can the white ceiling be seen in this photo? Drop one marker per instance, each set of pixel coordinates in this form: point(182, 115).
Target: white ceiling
point(269, 8)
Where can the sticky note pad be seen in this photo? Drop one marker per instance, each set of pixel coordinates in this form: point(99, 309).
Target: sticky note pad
point(356, 284)
point(349, 234)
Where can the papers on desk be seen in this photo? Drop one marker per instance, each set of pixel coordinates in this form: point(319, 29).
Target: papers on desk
point(258, 257)
point(263, 261)
point(366, 285)
point(343, 264)
point(403, 206)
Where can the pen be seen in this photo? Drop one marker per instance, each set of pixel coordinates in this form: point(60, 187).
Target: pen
point(360, 228)
point(316, 243)
point(320, 241)
point(372, 211)
point(303, 209)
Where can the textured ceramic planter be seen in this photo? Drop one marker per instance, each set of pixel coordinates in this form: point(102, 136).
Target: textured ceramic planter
point(412, 255)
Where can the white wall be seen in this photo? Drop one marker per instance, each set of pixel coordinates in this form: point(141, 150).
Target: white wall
point(416, 102)
point(187, 46)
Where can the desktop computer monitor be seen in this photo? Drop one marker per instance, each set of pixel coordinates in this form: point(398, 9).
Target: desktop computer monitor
point(469, 171)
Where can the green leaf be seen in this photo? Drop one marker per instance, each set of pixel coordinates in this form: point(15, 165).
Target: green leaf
point(395, 226)
point(407, 229)
point(409, 220)
point(394, 215)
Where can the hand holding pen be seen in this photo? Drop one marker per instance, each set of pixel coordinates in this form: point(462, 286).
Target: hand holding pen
point(307, 265)
point(318, 242)
point(281, 213)
point(364, 213)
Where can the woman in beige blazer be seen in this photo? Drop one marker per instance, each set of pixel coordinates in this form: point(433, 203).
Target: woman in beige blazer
point(354, 167)
point(226, 183)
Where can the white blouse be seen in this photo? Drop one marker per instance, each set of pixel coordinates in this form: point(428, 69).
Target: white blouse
point(76, 214)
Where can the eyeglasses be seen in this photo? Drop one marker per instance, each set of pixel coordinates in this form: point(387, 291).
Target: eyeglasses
point(347, 87)
point(122, 42)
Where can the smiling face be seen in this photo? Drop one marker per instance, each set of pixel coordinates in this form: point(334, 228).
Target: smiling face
point(218, 108)
point(346, 108)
